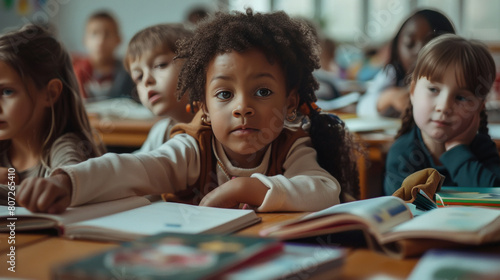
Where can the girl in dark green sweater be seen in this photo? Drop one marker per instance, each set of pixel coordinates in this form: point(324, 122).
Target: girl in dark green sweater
point(445, 125)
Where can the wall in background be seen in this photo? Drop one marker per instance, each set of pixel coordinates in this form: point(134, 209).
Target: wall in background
point(68, 17)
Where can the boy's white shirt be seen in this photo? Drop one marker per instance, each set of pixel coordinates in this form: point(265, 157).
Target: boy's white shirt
point(159, 134)
point(367, 104)
point(304, 186)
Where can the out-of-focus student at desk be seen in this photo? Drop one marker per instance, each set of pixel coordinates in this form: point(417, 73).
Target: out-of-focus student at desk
point(388, 92)
point(150, 62)
point(100, 74)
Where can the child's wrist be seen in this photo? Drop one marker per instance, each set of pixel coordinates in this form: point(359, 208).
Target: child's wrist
point(64, 181)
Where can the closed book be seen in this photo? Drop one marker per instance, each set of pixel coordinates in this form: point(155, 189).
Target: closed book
point(171, 256)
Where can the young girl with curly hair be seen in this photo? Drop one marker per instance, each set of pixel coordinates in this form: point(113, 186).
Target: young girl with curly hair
point(250, 75)
point(445, 125)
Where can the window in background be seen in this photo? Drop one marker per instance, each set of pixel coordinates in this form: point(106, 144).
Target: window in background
point(263, 6)
point(385, 18)
point(363, 23)
point(342, 20)
point(482, 20)
point(300, 8)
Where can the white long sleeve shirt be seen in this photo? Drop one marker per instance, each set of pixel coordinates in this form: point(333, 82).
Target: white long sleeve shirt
point(304, 186)
point(159, 134)
point(367, 104)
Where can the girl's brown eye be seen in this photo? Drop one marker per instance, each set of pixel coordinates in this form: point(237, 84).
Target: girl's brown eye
point(224, 95)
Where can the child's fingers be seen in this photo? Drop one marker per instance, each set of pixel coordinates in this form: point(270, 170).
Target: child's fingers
point(23, 195)
point(59, 205)
point(38, 194)
point(48, 198)
point(35, 191)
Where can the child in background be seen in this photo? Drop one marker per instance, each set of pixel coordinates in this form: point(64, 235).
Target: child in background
point(445, 125)
point(43, 124)
point(388, 93)
point(250, 74)
point(101, 75)
point(150, 62)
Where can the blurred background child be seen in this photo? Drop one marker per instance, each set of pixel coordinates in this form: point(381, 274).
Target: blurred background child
point(43, 124)
point(150, 62)
point(445, 125)
point(387, 95)
point(100, 74)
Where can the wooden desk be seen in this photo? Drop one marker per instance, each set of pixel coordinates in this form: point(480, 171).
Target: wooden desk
point(34, 260)
point(372, 167)
point(122, 132)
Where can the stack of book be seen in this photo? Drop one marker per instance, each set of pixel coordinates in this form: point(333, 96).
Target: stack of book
point(450, 196)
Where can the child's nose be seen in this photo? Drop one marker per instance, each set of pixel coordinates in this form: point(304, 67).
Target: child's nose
point(149, 79)
point(444, 104)
point(243, 108)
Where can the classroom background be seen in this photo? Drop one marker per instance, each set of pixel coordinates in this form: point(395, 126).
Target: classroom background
point(358, 33)
point(360, 28)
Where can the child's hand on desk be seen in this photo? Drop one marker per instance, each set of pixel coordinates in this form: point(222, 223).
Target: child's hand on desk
point(238, 190)
point(50, 195)
point(468, 134)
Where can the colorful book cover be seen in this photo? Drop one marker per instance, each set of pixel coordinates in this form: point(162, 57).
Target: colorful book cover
point(297, 261)
point(449, 196)
point(171, 256)
point(459, 265)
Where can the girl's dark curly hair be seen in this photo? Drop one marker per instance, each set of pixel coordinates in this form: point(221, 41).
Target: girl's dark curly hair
point(292, 44)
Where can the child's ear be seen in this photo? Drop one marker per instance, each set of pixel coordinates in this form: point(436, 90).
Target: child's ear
point(53, 91)
point(292, 101)
point(203, 107)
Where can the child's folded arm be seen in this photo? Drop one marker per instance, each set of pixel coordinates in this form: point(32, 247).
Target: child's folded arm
point(170, 168)
point(304, 186)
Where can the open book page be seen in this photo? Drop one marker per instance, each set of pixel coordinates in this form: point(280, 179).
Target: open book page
point(31, 221)
point(469, 225)
point(365, 124)
point(378, 215)
point(119, 108)
point(162, 217)
point(381, 212)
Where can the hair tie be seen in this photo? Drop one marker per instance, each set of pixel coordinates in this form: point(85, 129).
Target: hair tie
point(305, 109)
point(191, 109)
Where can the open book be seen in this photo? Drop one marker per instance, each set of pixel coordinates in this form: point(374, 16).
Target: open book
point(128, 219)
point(387, 224)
